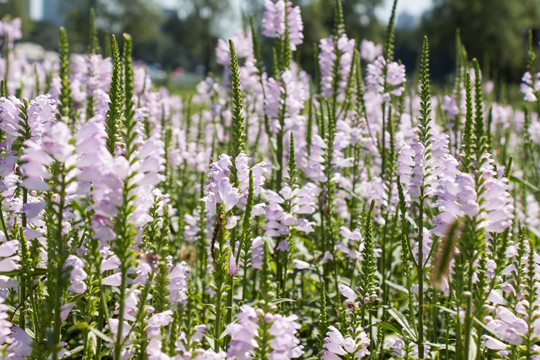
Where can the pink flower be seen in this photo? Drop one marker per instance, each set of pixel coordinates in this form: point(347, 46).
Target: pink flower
point(5, 324)
point(178, 283)
point(394, 79)
point(242, 46)
point(349, 293)
point(285, 344)
point(450, 107)
point(274, 21)
point(153, 332)
point(10, 30)
point(327, 57)
point(77, 274)
point(243, 334)
point(228, 194)
point(335, 344)
point(21, 344)
point(530, 87)
point(369, 51)
point(257, 252)
point(491, 204)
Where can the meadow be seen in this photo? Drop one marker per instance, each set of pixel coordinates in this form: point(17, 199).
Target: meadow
point(351, 213)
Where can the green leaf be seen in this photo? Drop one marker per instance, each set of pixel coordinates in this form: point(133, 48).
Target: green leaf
point(473, 350)
point(525, 183)
point(101, 335)
point(400, 318)
point(390, 327)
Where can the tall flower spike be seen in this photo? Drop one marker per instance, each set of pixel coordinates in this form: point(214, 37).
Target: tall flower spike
point(479, 131)
point(285, 48)
point(335, 60)
point(389, 42)
point(467, 145)
point(129, 105)
point(322, 315)
point(116, 97)
point(292, 161)
point(237, 140)
point(243, 334)
point(368, 260)
point(255, 42)
point(425, 94)
point(65, 107)
point(339, 22)
point(93, 46)
point(285, 344)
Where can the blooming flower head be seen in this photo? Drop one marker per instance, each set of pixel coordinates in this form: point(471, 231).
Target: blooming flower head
point(385, 78)
point(77, 274)
point(274, 21)
point(490, 204)
point(285, 344)
point(529, 86)
point(369, 50)
point(327, 57)
point(242, 46)
point(10, 30)
point(243, 334)
point(220, 190)
point(337, 345)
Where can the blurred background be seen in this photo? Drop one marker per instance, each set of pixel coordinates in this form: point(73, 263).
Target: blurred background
point(177, 38)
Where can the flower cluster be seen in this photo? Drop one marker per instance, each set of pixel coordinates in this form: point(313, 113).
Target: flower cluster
point(337, 345)
point(385, 78)
point(530, 86)
point(298, 201)
point(490, 203)
point(330, 50)
point(274, 22)
point(220, 190)
point(284, 343)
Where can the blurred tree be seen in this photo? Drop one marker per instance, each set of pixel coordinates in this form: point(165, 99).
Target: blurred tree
point(189, 34)
point(175, 30)
point(208, 13)
point(493, 31)
point(140, 18)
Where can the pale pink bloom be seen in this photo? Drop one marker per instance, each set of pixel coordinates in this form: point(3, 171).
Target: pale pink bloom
point(274, 21)
point(369, 50)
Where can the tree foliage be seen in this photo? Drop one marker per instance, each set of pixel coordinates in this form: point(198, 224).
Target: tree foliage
point(493, 31)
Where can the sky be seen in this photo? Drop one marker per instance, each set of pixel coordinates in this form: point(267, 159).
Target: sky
point(413, 7)
point(36, 9)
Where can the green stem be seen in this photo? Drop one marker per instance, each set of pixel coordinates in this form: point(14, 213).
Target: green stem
point(217, 332)
point(60, 248)
point(2, 220)
point(420, 274)
point(123, 285)
point(383, 142)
